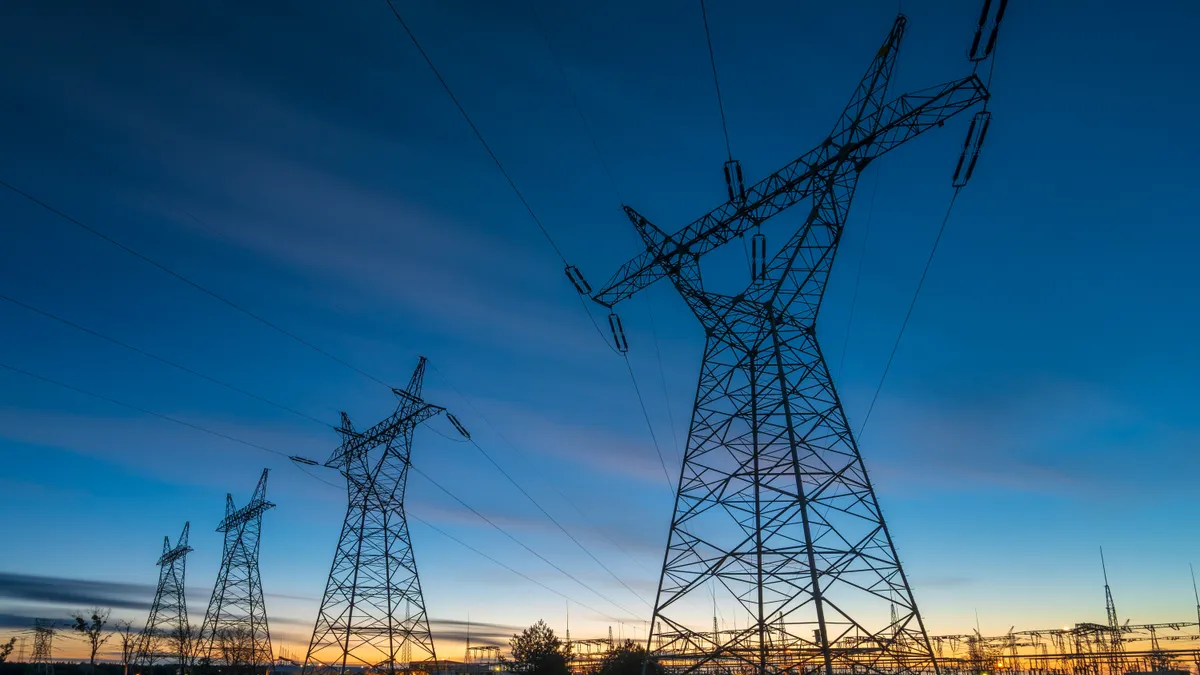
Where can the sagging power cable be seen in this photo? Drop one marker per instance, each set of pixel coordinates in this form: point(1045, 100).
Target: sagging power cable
point(160, 359)
point(194, 284)
point(258, 446)
point(972, 145)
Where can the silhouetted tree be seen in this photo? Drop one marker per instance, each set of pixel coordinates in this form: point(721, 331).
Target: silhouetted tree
point(237, 649)
point(91, 624)
point(627, 659)
point(538, 651)
point(182, 643)
point(128, 640)
point(6, 649)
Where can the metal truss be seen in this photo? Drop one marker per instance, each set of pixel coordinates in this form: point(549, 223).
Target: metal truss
point(1081, 649)
point(167, 636)
point(43, 647)
point(373, 613)
point(775, 517)
point(235, 634)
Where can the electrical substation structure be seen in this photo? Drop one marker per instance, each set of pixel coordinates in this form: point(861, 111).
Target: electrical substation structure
point(235, 634)
point(167, 636)
point(372, 614)
point(775, 518)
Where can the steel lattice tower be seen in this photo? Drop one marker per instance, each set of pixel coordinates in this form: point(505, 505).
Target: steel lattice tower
point(43, 646)
point(373, 613)
point(775, 515)
point(168, 621)
point(235, 631)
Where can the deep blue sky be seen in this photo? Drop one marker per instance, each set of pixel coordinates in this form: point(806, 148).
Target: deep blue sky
point(300, 159)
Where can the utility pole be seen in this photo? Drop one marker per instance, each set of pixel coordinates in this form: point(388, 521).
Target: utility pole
point(774, 502)
point(373, 613)
point(235, 631)
point(168, 619)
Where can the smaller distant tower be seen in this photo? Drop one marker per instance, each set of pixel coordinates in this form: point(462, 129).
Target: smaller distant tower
point(43, 647)
point(167, 625)
point(235, 631)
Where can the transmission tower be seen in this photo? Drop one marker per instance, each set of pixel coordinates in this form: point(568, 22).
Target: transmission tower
point(774, 505)
point(235, 631)
point(43, 646)
point(167, 634)
point(373, 614)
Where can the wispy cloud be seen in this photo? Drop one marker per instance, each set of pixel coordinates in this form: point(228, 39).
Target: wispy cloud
point(253, 190)
point(74, 593)
point(1049, 436)
point(480, 634)
point(155, 446)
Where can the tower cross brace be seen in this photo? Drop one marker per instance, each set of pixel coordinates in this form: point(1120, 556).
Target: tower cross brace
point(775, 515)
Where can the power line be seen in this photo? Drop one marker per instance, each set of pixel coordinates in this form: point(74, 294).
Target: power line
point(712, 59)
point(518, 542)
point(908, 315)
point(646, 415)
point(928, 262)
point(136, 350)
point(495, 159)
point(532, 465)
point(189, 282)
point(524, 576)
point(552, 519)
point(555, 521)
point(478, 134)
point(858, 275)
point(264, 448)
point(144, 411)
point(662, 375)
point(575, 100)
point(210, 293)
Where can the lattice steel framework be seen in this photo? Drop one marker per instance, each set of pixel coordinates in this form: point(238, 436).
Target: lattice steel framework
point(373, 613)
point(775, 516)
point(235, 633)
point(167, 634)
point(43, 646)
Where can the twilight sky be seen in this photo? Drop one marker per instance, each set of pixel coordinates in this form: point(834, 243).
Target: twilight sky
point(300, 159)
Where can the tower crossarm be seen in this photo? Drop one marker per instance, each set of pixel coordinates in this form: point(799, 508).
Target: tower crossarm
point(255, 508)
point(798, 272)
point(866, 129)
point(180, 550)
point(384, 432)
point(248, 512)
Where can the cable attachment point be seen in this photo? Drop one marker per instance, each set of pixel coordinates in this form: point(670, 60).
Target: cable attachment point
point(458, 426)
point(618, 332)
point(302, 460)
point(971, 147)
point(981, 49)
point(581, 285)
point(758, 257)
point(734, 181)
